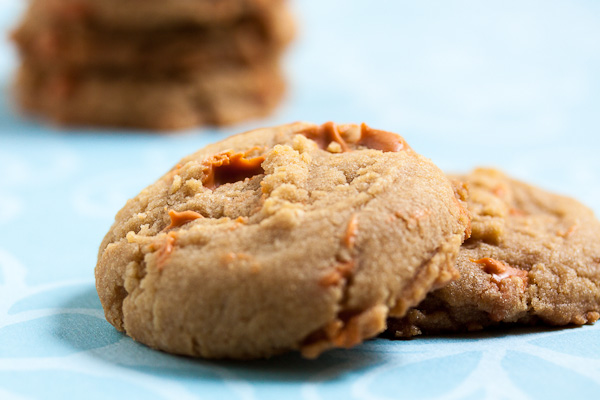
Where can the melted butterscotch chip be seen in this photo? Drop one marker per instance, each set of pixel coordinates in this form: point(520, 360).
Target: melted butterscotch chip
point(181, 218)
point(568, 232)
point(500, 270)
point(351, 232)
point(343, 270)
point(165, 250)
point(332, 278)
point(229, 167)
point(381, 140)
point(329, 133)
point(516, 212)
point(345, 331)
point(232, 257)
point(326, 134)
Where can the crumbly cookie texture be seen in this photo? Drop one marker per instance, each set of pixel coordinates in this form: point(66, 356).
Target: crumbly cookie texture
point(532, 257)
point(298, 237)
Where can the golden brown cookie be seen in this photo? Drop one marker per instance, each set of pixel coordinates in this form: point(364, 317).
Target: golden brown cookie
point(132, 99)
point(298, 237)
point(150, 14)
point(533, 256)
point(151, 64)
point(45, 40)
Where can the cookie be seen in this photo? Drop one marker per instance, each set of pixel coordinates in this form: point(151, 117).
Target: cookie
point(151, 64)
point(298, 237)
point(46, 41)
point(132, 99)
point(150, 14)
point(533, 257)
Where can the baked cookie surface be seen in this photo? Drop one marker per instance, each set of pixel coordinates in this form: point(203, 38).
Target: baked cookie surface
point(533, 256)
point(299, 237)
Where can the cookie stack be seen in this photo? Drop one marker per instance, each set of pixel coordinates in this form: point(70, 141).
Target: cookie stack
point(152, 64)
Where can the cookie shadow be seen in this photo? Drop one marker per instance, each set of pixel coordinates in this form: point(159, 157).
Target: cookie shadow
point(489, 333)
point(104, 343)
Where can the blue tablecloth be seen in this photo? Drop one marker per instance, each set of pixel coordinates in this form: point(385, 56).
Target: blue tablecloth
point(511, 84)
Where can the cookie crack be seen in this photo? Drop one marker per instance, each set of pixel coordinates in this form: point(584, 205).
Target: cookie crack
point(349, 327)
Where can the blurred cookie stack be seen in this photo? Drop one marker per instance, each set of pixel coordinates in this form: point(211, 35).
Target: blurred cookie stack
point(152, 64)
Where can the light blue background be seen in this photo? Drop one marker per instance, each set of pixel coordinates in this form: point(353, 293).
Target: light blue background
point(512, 84)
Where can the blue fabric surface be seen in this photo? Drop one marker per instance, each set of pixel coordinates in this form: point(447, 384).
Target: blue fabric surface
point(511, 84)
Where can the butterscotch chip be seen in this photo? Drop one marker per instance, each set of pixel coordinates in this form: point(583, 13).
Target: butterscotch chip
point(533, 256)
point(266, 242)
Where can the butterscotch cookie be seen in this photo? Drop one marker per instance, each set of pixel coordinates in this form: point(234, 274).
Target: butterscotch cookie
point(132, 99)
point(151, 64)
point(149, 14)
point(299, 237)
point(533, 256)
point(46, 41)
